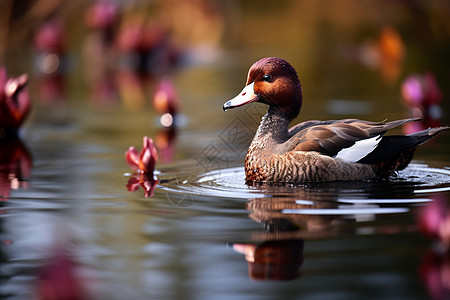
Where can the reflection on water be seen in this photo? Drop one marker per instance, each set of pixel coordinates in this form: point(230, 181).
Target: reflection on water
point(294, 215)
point(15, 167)
point(273, 260)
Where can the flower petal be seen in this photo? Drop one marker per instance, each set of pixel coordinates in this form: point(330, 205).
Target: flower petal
point(132, 157)
point(149, 186)
point(133, 184)
point(148, 156)
point(14, 100)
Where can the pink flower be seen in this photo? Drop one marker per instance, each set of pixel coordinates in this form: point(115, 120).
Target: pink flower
point(102, 14)
point(165, 99)
point(14, 102)
point(145, 160)
point(144, 163)
point(49, 37)
point(421, 91)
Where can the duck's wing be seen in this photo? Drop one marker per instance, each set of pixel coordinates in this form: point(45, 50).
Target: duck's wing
point(307, 124)
point(348, 139)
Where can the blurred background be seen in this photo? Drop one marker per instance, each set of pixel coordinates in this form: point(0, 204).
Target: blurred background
point(103, 74)
point(110, 54)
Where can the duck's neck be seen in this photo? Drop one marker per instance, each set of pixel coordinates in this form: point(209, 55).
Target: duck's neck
point(273, 129)
point(272, 133)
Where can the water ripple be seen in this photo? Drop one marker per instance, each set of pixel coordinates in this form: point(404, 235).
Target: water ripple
point(309, 205)
point(230, 183)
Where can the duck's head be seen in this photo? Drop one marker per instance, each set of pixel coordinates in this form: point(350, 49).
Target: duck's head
point(272, 81)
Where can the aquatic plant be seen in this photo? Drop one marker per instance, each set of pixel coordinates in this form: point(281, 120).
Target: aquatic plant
point(144, 163)
point(102, 15)
point(421, 95)
point(165, 98)
point(421, 91)
point(14, 103)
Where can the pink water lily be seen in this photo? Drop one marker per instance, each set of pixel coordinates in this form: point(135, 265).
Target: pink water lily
point(49, 36)
point(143, 161)
point(422, 95)
point(421, 91)
point(14, 102)
point(165, 99)
point(102, 15)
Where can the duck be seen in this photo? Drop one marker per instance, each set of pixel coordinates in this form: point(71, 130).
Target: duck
point(316, 151)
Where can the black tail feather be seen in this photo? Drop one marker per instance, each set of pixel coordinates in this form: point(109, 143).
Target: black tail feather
point(392, 145)
point(424, 135)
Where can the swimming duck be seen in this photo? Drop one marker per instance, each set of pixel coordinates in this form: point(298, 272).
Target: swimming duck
point(313, 151)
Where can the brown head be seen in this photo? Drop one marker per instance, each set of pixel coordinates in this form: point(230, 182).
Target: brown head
point(272, 81)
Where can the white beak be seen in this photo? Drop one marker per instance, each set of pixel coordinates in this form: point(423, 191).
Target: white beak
point(247, 95)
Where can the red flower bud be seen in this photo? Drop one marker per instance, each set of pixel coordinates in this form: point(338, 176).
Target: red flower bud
point(14, 101)
point(145, 160)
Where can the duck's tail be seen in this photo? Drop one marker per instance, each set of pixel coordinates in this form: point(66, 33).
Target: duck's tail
point(395, 152)
point(427, 134)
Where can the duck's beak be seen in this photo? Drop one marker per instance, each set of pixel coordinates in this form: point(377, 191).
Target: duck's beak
point(246, 96)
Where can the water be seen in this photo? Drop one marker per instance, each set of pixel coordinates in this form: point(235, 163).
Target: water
point(68, 222)
point(206, 233)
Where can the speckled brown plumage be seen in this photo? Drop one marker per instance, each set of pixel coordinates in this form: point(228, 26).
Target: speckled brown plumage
point(302, 166)
point(332, 150)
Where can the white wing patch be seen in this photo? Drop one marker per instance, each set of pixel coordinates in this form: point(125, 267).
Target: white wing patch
point(359, 150)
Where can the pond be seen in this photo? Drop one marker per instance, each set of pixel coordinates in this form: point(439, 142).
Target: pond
point(71, 229)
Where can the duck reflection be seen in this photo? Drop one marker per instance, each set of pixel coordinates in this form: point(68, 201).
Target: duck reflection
point(293, 214)
point(15, 167)
point(273, 260)
point(270, 212)
point(278, 252)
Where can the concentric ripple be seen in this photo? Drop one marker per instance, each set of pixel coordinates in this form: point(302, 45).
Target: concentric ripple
point(412, 186)
point(218, 183)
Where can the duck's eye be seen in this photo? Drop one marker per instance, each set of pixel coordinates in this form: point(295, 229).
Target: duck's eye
point(267, 77)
